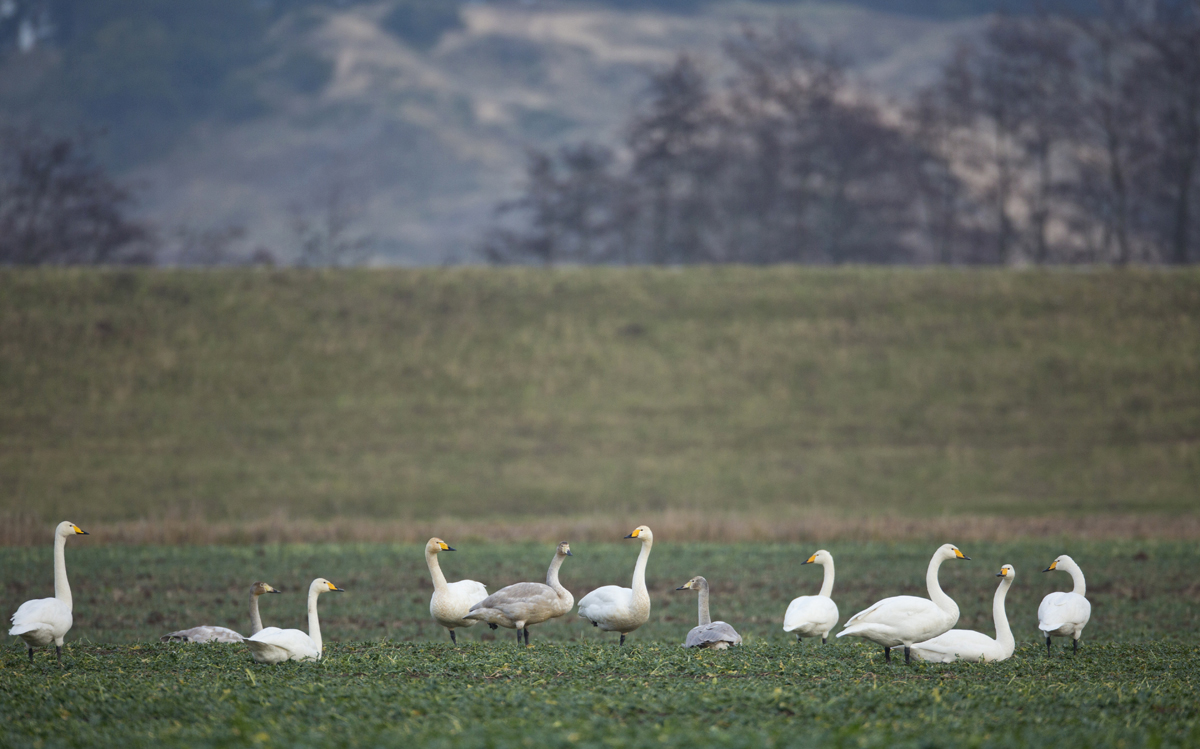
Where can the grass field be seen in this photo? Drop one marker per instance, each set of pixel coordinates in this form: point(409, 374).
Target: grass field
point(520, 396)
point(391, 678)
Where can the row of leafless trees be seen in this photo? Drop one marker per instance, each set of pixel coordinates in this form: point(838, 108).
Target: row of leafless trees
point(1048, 140)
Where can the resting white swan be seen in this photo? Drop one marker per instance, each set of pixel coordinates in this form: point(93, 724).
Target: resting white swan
point(616, 609)
point(814, 616)
point(976, 647)
point(1065, 614)
point(904, 620)
point(47, 620)
point(450, 601)
point(209, 633)
point(708, 634)
point(522, 604)
point(275, 645)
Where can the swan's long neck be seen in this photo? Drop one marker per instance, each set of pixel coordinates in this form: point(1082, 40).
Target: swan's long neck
point(940, 599)
point(703, 604)
point(639, 572)
point(255, 619)
point(827, 586)
point(1004, 634)
point(552, 574)
point(1076, 577)
point(314, 626)
point(435, 570)
point(62, 591)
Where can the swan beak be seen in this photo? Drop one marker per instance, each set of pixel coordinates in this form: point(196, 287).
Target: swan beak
point(1001, 573)
point(960, 555)
point(336, 589)
point(810, 560)
point(1053, 566)
point(685, 586)
point(273, 590)
point(80, 531)
point(569, 553)
point(635, 533)
point(446, 547)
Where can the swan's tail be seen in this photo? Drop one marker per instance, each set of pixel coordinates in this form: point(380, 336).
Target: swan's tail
point(850, 631)
point(25, 628)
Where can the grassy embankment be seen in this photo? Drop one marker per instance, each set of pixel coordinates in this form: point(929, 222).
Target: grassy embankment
point(721, 403)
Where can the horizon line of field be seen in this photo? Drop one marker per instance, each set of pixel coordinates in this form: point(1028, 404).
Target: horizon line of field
point(680, 525)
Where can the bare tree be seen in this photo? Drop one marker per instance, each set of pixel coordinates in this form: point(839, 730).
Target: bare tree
point(59, 206)
point(327, 230)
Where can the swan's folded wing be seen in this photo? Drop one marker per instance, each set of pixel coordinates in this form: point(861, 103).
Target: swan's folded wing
point(294, 641)
point(469, 590)
point(958, 643)
point(707, 634)
point(602, 601)
point(1062, 608)
point(40, 613)
point(893, 609)
point(815, 610)
point(203, 634)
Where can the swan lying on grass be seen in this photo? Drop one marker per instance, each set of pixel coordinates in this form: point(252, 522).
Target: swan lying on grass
point(209, 633)
point(522, 604)
point(47, 620)
point(450, 601)
point(814, 616)
point(905, 620)
point(1065, 614)
point(616, 609)
point(976, 647)
point(275, 645)
point(708, 634)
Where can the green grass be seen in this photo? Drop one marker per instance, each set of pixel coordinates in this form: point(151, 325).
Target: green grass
point(513, 393)
point(391, 678)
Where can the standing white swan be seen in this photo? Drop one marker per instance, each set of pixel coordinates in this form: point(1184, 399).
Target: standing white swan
point(521, 604)
point(275, 645)
point(210, 633)
point(47, 620)
point(450, 601)
point(814, 616)
point(904, 620)
point(708, 634)
point(976, 647)
point(1065, 614)
point(616, 609)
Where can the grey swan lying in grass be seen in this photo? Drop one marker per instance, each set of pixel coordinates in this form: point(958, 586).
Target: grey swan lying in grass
point(209, 633)
point(708, 634)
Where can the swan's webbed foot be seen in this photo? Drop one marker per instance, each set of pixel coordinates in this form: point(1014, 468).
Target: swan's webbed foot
point(887, 654)
point(906, 655)
point(453, 639)
point(622, 639)
point(491, 625)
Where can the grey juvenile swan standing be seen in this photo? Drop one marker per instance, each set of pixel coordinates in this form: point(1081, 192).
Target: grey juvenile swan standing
point(522, 604)
point(709, 634)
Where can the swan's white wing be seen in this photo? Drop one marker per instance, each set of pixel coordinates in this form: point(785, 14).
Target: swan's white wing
point(203, 634)
point(811, 615)
point(709, 634)
point(601, 603)
point(959, 644)
point(41, 621)
point(1063, 609)
point(298, 645)
point(469, 590)
point(448, 607)
point(890, 610)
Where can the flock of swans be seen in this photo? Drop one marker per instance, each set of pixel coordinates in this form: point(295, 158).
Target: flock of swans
point(922, 626)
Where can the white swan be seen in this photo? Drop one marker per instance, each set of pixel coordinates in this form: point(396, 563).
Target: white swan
point(275, 645)
point(616, 609)
point(450, 601)
point(209, 633)
point(708, 634)
point(1065, 614)
point(814, 616)
point(976, 647)
point(521, 604)
point(904, 620)
point(47, 620)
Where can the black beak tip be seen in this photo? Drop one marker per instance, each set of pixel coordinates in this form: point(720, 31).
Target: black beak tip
point(966, 557)
point(629, 536)
point(681, 587)
point(569, 553)
point(1047, 570)
point(84, 533)
point(451, 548)
point(999, 574)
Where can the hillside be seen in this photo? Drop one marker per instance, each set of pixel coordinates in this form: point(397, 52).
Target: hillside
point(485, 395)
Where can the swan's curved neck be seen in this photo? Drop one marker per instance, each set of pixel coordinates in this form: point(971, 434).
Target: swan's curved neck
point(62, 590)
point(435, 570)
point(639, 571)
point(255, 619)
point(940, 599)
point(552, 574)
point(703, 604)
point(1076, 577)
point(1004, 634)
point(314, 626)
point(827, 585)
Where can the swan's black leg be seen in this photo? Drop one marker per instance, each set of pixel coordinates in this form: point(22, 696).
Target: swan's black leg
point(1047, 644)
point(58, 652)
point(906, 660)
point(527, 637)
point(887, 654)
point(595, 624)
point(453, 639)
point(518, 637)
point(491, 625)
point(31, 654)
point(823, 639)
point(622, 639)
point(1075, 646)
